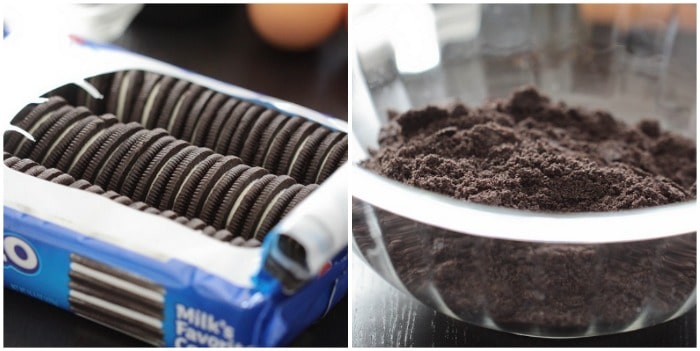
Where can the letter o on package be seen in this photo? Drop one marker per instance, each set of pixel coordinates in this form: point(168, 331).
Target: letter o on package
point(20, 255)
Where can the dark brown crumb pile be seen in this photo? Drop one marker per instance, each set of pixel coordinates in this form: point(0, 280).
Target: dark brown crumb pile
point(527, 152)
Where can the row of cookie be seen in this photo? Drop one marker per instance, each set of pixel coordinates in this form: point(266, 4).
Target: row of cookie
point(305, 150)
point(154, 167)
point(54, 175)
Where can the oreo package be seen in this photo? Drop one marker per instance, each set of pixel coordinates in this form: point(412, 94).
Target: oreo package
point(170, 206)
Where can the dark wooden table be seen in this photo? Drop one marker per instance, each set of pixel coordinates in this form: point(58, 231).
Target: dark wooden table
point(217, 41)
point(384, 316)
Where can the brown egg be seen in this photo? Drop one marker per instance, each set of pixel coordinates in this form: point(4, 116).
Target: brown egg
point(652, 16)
point(295, 26)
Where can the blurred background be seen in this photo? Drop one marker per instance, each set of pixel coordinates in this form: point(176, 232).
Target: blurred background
point(292, 52)
point(635, 60)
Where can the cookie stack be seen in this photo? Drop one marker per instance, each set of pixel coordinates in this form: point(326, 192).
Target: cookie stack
point(260, 136)
point(28, 166)
point(229, 168)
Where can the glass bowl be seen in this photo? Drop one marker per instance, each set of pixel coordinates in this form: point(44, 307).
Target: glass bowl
point(538, 274)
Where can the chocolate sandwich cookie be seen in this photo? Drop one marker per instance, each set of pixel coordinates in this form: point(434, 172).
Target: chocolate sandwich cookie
point(35, 170)
point(181, 172)
point(124, 200)
point(331, 163)
point(196, 224)
point(60, 142)
point(127, 162)
point(136, 171)
point(263, 201)
point(33, 118)
point(90, 146)
point(244, 202)
point(240, 198)
point(105, 291)
point(88, 162)
point(300, 162)
point(112, 97)
point(26, 110)
point(23, 165)
point(81, 184)
point(66, 128)
point(219, 190)
point(241, 242)
point(95, 189)
point(169, 214)
point(229, 127)
point(252, 144)
point(94, 285)
point(105, 316)
point(326, 145)
point(139, 205)
point(181, 219)
point(295, 141)
point(6, 155)
point(111, 194)
point(300, 196)
point(159, 187)
point(155, 101)
point(194, 115)
point(190, 180)
point(114, 160)
point(56, 127)
point(128, 89)
point(11, 160)
point(240, 135)
point(217, 124)
point(147, 179)
point(102, 83)
point(223, 235)
point(209, 230)
point(238, 241)
point(207, 117)
point(170, 103)
point(252, 243)
point(152, 210)
point(138, 112)
point(49, 174)
point(273, 213)
point(267, 137)
point(85, 134)
point(38, 130)
point(181, 111)
point(118, 273)
point(279, 143)
point(202, 188)
point(63, 179)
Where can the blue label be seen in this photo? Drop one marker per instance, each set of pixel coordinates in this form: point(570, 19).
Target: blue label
point(199, 308)
point(20, 255)
point(35, 268)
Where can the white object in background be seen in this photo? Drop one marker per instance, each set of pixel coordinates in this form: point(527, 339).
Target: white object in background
point(96, 22)
point(414, 38)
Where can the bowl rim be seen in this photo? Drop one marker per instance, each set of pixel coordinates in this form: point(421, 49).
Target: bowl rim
point(522, 225)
